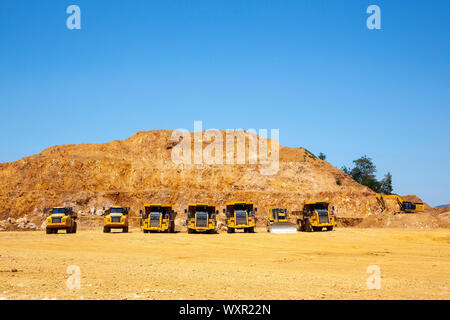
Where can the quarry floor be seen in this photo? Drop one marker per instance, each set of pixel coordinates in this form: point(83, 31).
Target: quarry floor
point(414, 264)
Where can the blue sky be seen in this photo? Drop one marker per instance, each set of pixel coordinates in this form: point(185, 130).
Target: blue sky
point(309, 68)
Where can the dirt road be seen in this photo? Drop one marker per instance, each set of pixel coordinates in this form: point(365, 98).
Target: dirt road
point(414, 264)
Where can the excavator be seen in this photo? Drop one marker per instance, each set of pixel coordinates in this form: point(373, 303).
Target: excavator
point(278, 222)
point(405, 206)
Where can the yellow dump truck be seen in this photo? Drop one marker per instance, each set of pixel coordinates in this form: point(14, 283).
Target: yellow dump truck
point(278, 222)
point(116, 218)
point(316, 216)
point(201, 217)
point(61, 219)
point(240, 215)
point(158, 217)
point(405, 206)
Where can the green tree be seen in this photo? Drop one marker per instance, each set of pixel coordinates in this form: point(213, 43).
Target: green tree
point(386, 184)
point(322, 156)
point(364, 172)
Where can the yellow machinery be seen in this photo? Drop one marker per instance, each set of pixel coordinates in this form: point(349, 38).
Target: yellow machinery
point(405, 206)
point(278, 222)
point(61, 218)
point(240, 215)
point(201, 217)
point(158, 217)
point(316, 216)
point(116, 218)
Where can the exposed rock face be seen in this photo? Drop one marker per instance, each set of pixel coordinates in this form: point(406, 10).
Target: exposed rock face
point(140, 170)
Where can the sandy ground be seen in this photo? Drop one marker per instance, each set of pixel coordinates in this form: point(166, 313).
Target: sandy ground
point(414, 264)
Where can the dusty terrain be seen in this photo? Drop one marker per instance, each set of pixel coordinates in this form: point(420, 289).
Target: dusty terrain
point(415, 264)
point(413, 253)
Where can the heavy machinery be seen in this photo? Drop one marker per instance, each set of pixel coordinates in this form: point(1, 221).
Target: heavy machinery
point(158, 217)
point(240, 215)
point(278, 222)
point(61, 219)
point(315, 216)
point(405, 206)
point(116, 218)
point(201, 217)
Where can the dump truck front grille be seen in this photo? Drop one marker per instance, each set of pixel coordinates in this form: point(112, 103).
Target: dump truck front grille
point(323, 216)
point(56, 220)
point(115, 219)
point(323, 219)
point(202, 221)
point(154, 221)
point(241, 218)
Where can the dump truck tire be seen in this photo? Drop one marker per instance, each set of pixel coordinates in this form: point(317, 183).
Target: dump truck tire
point(330, 228)
point(317, 229)
point(74, 228)
point(190, 231)
point(230, 230)
point(300, 225)
point(125, 230)
point(252, 230)
point(307, 227)
point(48, 231)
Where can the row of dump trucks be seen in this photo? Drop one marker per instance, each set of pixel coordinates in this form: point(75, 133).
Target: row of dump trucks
point(202, 217)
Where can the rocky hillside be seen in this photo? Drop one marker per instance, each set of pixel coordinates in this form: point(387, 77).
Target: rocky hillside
point(140, 170)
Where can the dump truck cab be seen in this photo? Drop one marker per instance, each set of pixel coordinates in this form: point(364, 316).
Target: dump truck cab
point(316, 216)
point(201, 217)
point(158, 217)
point(240, 215)
point(61, 218)
point(116, 218)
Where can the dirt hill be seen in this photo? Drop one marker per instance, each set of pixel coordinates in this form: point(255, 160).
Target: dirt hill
point(140, 170)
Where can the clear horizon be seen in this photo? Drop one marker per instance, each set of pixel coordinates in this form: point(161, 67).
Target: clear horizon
point(311, 69)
